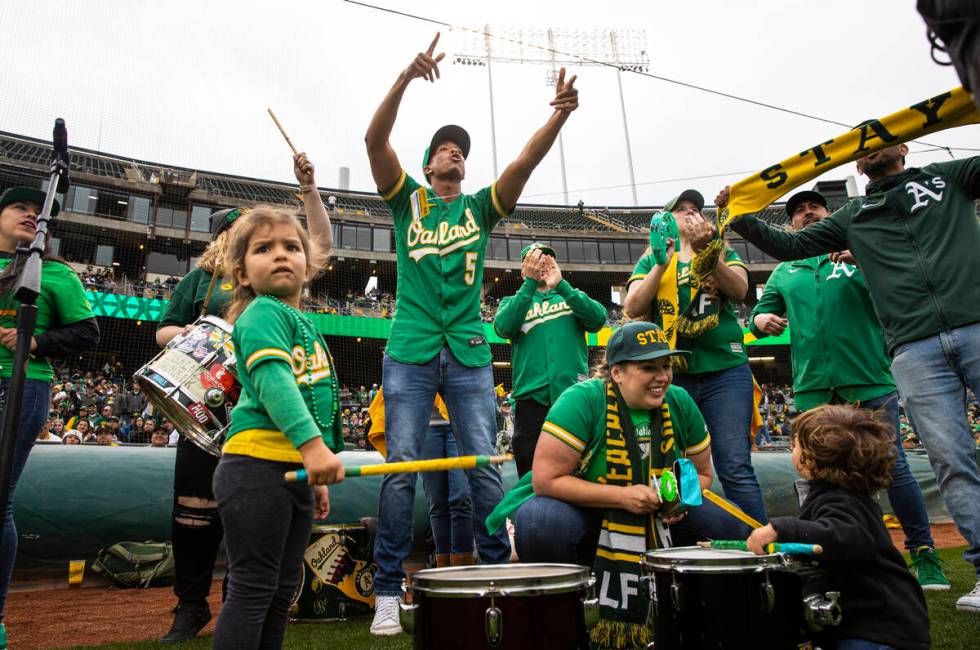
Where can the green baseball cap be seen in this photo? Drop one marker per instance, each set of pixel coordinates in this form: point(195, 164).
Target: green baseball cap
point(638, 341)
point(28, 194)
point(538, 246)
point(693, 196)
point(222, 220)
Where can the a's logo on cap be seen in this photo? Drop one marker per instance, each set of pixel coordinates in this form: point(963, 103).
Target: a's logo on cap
point(651, 336)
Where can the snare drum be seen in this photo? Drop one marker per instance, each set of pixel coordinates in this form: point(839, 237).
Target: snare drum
point(193, 382)
point(508, 606)
point(338, 575)
point(712, 598)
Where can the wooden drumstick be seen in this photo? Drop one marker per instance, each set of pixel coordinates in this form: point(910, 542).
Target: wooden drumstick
point(283, 131)
point(433, 465)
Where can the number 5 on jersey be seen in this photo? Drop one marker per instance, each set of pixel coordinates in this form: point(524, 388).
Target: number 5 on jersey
point(470, 267)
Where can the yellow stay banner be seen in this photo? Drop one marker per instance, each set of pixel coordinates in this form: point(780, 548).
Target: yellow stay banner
point(950, 109)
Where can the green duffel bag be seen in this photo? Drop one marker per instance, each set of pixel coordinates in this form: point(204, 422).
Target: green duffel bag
point(137, 564)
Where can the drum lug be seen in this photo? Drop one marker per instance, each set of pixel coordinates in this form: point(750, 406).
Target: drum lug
point(676, 594)
point(768, 595)
point(590, 607)
point(494, 625)
point(406, 616)
point(214, 397)
point(822, 610)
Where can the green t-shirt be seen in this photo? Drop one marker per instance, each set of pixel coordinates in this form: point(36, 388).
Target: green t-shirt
point(270, 331)
point(61, 302)
point(185, 304)
point(578, 420)
point(440, 248)
point(721, 347)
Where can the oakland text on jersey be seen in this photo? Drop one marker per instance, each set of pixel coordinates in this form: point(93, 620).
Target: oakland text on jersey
point(542, 312)
point(444, 239)
point(310, 368)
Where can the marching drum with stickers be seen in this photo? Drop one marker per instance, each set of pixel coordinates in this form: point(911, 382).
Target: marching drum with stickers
point(193, 383)
point(721, 598)
point(507, 607)
point(338, 575)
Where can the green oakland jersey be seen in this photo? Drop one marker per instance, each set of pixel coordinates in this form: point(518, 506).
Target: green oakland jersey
point(578, 420)
point(836, 342)
point(61, 302)
point(270, 331)
point(185, 304)
point(547, 331)
point(721, 347)
point(440, 250)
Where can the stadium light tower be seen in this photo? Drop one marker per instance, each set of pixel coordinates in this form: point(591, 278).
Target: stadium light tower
point(622, 49)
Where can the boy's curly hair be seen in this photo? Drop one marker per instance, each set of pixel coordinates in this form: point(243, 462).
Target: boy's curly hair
point(847, 446)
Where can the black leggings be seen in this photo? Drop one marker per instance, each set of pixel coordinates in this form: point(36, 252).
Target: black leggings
point(268, 525)
point(528, 419)
point(195, 546)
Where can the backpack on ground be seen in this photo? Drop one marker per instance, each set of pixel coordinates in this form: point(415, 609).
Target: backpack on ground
point(137, 564)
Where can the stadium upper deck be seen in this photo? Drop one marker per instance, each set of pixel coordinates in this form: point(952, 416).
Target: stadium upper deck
point(153, 218)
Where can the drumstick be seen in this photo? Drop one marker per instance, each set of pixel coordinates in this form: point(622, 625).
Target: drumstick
point(434, 465)
point(283, 131)
point(741, 545)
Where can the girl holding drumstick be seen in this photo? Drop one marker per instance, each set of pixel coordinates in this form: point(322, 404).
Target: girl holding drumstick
point(288, 416)
point(196, 527)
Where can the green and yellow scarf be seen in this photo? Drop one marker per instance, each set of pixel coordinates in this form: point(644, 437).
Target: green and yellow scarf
point(703, 310)
point(945, 111)
point(625, 537)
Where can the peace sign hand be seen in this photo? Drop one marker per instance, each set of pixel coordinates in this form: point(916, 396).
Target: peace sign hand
point(566, 95)
point(425, 65)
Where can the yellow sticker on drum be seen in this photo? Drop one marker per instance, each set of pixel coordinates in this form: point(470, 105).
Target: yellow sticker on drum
point(332, 564)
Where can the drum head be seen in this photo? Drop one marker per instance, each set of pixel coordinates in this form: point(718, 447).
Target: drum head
point(502, 579)
point(694, 559)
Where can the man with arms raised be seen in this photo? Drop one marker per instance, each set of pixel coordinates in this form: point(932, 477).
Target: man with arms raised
point(437, 341)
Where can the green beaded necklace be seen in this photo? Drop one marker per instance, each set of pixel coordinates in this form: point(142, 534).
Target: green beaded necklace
point(306, 330)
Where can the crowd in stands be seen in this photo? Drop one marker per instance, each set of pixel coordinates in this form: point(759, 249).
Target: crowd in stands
point(102, 407)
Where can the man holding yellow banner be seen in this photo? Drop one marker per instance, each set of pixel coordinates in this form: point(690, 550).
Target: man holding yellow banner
point(916, 238)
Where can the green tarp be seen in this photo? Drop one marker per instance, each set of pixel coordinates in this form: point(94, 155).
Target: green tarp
point(73, 500)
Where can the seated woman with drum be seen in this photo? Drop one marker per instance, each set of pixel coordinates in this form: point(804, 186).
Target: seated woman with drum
point(589, 497)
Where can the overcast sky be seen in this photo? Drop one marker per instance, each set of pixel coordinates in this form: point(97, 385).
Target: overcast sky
point(188, 82)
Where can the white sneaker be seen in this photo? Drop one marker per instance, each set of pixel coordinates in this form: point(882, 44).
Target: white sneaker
point(385, 621)
point(971, 601)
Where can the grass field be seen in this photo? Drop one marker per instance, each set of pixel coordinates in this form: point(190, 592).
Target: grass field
point(951, 629)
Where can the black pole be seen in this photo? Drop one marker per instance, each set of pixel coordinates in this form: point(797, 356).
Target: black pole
point(26, 291)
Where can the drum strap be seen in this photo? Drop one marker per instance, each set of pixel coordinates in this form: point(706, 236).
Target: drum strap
point(207, 297)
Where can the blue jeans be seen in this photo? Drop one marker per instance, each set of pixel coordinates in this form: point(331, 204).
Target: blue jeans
point(932, 376)
point(904, 494)
point(409, 391)
point(33, 413)
point(551, 530)
point(448, 495)
point(725, 399)
point(763, 434)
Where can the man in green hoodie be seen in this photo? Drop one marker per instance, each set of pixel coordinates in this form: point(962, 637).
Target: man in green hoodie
point(916, 238)
point(819, 295)
point(546, 321)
